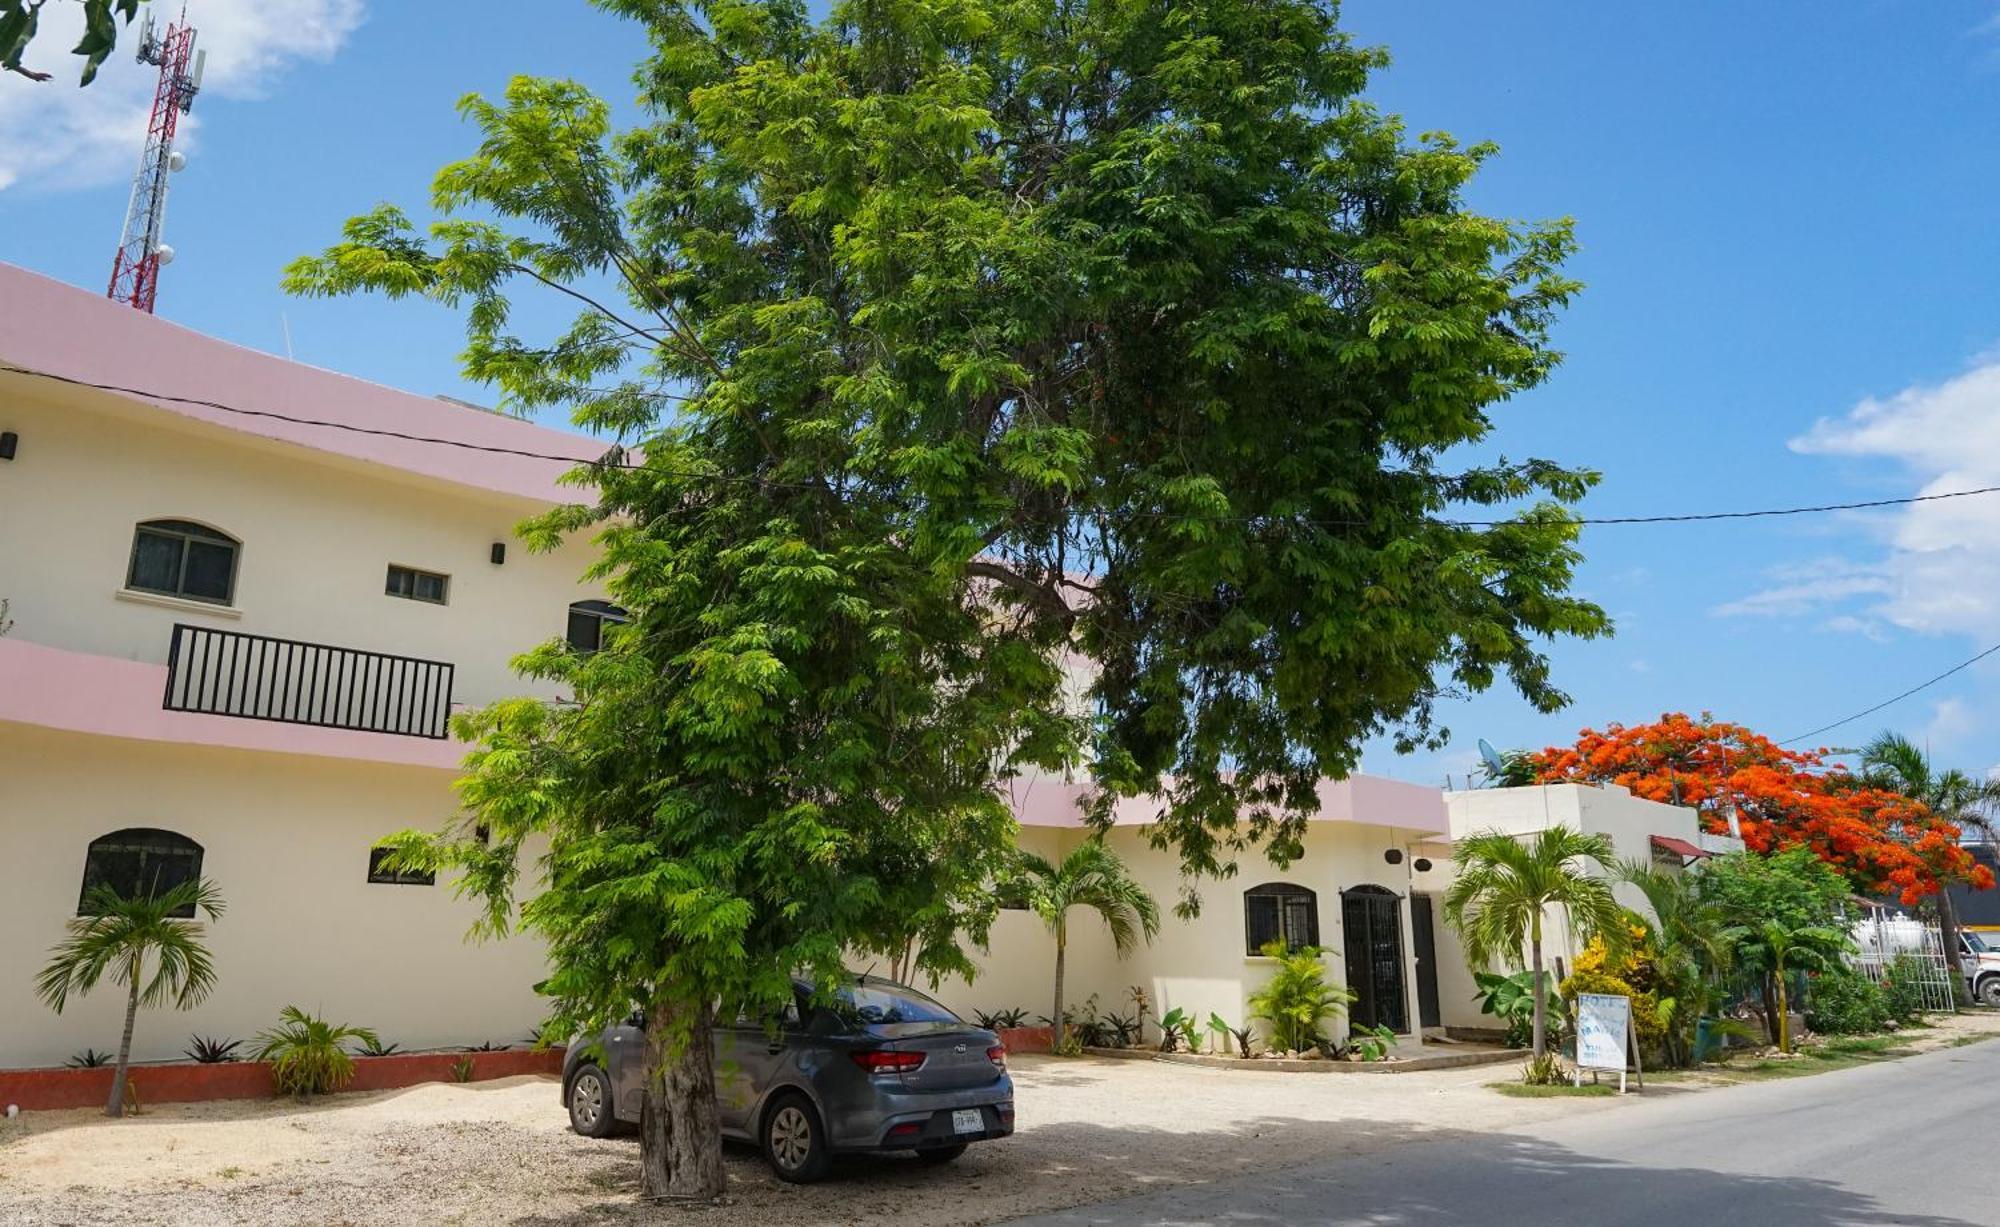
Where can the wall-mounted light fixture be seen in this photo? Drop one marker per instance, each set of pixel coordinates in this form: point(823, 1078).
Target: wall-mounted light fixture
point(499, 554)
point(1394, 856)
point(1421, 864)
point(9, 443)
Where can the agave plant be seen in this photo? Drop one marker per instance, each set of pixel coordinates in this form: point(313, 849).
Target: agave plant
point(207, 1050)
point(89, 1058)
point(374, 1047)
point(306, 1053)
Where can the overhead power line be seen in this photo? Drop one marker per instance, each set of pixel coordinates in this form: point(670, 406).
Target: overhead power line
point(1827, 728)
point(1691, 517)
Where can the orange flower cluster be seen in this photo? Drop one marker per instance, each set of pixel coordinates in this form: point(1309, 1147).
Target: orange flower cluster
point(1881, 841)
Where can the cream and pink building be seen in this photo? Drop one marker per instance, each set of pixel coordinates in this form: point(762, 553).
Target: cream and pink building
point(246, 594)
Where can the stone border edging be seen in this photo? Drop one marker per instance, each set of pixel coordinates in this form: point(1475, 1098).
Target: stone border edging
point(1279, 1065)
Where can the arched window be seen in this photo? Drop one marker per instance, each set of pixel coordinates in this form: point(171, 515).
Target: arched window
point(137, 862)
point(587, 620)
point(1280, 912)
point(184, 559)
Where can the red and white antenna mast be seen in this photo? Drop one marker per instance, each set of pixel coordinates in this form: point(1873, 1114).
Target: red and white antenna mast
point(135, 272)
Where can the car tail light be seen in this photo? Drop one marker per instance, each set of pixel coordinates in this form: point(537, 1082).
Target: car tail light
point(884, 1062)
point(998, 1055)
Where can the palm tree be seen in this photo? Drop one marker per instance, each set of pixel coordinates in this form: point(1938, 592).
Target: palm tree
point(1778, 948)
point(119, 938)
point(1505, 886)
point(1092, 876)
point(1894, 762)
point(1691, 952)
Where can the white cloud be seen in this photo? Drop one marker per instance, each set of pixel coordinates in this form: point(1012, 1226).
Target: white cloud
point(1939, 572)
point(1951, 719)
point(54, 135)
point(1800, 587)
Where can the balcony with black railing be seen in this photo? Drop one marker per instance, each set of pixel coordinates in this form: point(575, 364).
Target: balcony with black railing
point(257, 677)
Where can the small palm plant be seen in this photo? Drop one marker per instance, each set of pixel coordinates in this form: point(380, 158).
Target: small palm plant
point(1091, 877)
point(1296, 1001)
point(121, 938)
point(1780, 948)
point(1504, 889)
point(307, 1055)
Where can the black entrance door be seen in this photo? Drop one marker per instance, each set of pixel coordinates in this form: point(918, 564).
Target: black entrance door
point(1374, 940)
point(1424, 937)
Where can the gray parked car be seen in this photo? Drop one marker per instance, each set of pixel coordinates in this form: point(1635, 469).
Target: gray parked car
point(880, 1067)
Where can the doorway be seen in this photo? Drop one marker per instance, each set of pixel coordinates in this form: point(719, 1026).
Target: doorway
point(1423, 935)
point(1372, 921)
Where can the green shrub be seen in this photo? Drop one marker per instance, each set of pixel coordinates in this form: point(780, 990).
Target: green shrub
point(1297, 1001)
point(1846, 1003)
point(306, 1053)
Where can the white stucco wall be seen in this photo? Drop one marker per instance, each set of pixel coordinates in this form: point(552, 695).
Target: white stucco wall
point(318, 534)
point(286, 840)
point(1610, 810)
point(1200, 965)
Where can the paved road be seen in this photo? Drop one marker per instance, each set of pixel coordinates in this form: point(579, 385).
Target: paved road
point(1908, 1142)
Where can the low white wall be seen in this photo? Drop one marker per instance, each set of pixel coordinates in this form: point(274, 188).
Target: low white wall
point(286, 840)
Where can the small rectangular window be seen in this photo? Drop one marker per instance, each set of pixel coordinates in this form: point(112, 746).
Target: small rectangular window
point(406, 877)
point(415, 585)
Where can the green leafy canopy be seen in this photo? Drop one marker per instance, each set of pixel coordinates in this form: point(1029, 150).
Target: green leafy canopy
point(21, 19)
point(950, 344)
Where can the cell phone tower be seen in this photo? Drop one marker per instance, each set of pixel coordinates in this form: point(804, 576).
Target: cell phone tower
point(135, 271)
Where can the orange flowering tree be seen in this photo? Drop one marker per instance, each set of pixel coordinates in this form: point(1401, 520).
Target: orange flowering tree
point(1882, 841)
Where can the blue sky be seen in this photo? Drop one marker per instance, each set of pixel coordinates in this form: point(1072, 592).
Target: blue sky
point(1785, 212)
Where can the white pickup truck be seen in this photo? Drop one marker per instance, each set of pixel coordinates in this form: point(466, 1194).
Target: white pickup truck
point(1980, 958)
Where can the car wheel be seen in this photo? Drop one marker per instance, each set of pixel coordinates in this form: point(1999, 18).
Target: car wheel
point(794, 1143)
point(940, 1155)
point(590, 1111)
point(1989, 991)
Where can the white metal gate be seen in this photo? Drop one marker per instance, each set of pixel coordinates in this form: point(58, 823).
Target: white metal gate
point(1886, 935)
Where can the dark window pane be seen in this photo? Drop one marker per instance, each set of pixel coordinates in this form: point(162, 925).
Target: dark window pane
point(210, 565)
point(400, 581)
point(430, 588)
point(140, 862)
point(1260, 921)
point(586, 630)
point(407, 877)
point(156, 562)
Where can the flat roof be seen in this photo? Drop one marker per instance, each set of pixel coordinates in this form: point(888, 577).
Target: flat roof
point(83, 337)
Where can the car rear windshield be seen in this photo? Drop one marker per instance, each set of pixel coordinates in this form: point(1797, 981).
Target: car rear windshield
point(874, 1004)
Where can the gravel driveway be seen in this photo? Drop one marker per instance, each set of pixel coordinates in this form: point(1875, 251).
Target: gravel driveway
point(500, 1152)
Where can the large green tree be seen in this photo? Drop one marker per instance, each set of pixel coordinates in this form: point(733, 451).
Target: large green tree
point(953, 341)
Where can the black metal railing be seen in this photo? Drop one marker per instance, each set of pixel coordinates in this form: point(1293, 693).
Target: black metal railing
point(256, 677)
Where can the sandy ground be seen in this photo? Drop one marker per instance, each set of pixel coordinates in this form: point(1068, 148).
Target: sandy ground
point(501, 1152)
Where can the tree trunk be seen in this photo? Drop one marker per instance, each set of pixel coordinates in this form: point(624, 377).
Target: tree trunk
point(1770, 997)
point(680, 1130)
point(116, 1105)
point(1961, 992)
point(1057, 1030)
point(1541, 1042)
point(1784, 1014)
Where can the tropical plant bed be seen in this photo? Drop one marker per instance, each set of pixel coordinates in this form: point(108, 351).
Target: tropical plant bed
point(1313, 1065)
point(188, 1082)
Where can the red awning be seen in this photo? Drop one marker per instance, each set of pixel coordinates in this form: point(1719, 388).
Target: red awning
point(1679, 847)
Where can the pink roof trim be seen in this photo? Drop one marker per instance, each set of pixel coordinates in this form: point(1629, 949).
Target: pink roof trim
point(59, 329)
point(1043, 801)
point(81, 693)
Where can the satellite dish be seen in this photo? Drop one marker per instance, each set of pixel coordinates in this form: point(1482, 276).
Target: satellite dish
point(1495, 765)
point(177, 160)
point(164, 254)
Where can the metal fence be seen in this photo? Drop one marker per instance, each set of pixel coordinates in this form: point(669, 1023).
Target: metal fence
point(1886, 936)
point(257, 677)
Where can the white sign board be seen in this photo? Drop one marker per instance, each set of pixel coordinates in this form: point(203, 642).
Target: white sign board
point(1602, 1022)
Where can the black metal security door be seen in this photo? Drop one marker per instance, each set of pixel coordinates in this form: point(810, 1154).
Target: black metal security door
point(1374, 945)
point(1424, 935)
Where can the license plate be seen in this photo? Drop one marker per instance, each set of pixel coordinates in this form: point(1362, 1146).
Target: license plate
point(968, 1120)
